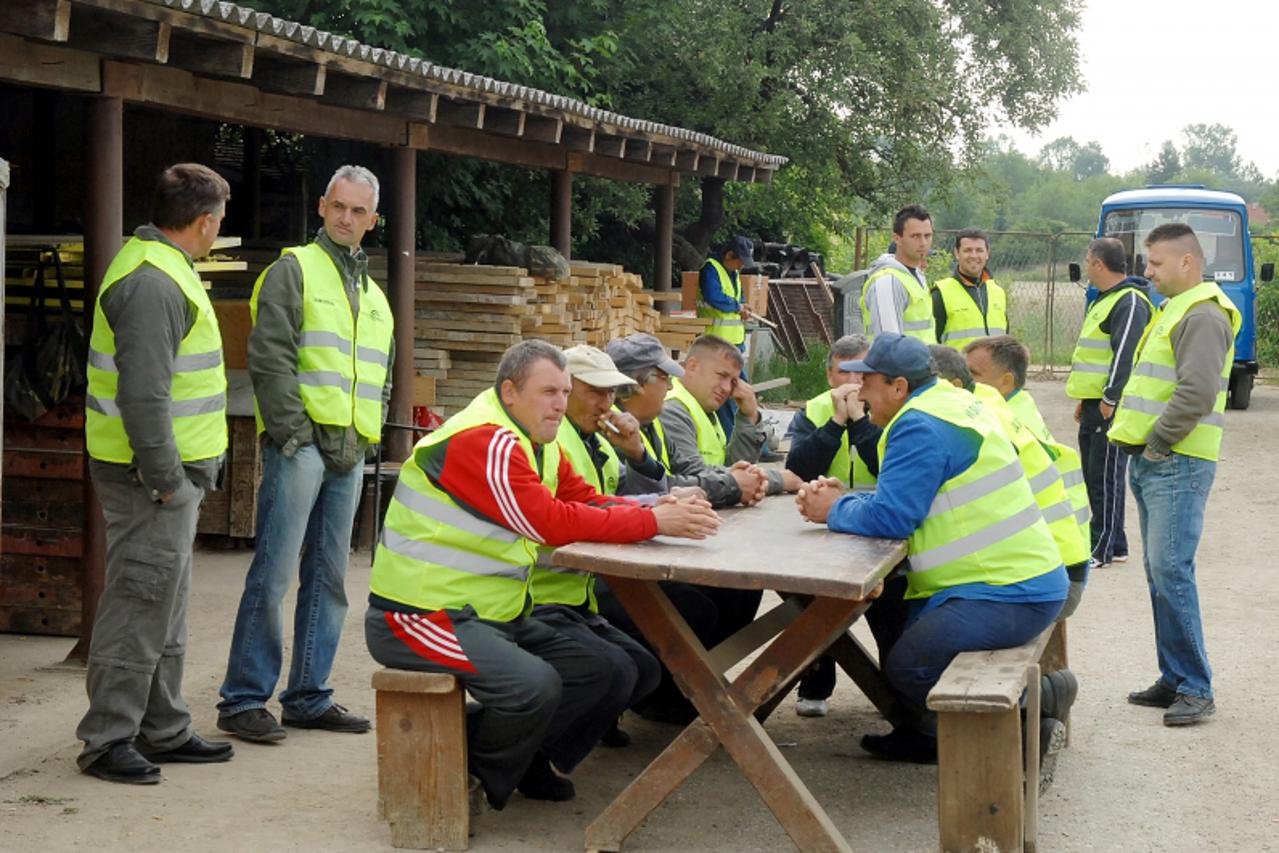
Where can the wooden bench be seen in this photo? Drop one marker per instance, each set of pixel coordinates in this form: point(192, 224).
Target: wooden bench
point(421, 759)
point(986, 799)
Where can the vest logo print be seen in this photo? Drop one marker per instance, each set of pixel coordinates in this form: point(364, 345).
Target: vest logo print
point(431, 637)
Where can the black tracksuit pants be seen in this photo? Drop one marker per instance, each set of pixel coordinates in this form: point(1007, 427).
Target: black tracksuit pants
point(1105, 467)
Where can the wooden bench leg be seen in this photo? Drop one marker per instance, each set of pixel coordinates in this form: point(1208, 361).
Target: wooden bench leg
point(980, 798)
point(421, 764)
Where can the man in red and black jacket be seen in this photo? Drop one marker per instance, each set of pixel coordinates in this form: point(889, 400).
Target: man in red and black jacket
point(449, 590)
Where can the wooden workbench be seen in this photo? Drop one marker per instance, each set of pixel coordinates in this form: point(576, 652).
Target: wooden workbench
point(823, 577)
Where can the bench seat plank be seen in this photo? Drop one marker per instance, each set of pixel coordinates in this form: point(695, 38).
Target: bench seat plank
point(986, 682)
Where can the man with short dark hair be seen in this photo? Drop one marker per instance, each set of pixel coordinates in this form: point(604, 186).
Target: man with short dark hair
point(155, 428)
point(719, 291)
point(320, 358)
point(450, 588)
point(895, 295)
point(1099, 370)
point(969, 304)
point(983, 572)
point(1170, 419)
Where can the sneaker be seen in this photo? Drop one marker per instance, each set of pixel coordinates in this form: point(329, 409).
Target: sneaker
point(811, 707)
point(1119, 558)
point(1157, 695)
point(1052, 740)
point(541, 782)
point(1187, 710)
point(1057, 690)
point(255, 725)
point(335, 718)
point(902, 744)
point(1094, 563)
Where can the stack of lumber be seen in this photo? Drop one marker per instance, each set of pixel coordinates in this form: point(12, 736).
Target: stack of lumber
point(678, 330)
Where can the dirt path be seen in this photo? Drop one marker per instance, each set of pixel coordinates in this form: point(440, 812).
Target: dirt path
point(1126, 784)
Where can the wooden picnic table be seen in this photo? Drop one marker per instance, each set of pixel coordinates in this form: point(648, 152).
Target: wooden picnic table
point(823, 577)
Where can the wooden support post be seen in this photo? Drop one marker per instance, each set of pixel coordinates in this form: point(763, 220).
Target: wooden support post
point(401, 262)
point(664, 205)
point(562, 211)
point(979, 781)
point(103, 230)
point(421, 759)
point(252, 191)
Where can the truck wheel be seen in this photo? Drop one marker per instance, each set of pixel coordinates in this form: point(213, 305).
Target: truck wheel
point(1240, 390)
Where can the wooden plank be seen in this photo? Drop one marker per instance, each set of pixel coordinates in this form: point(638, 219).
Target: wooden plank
point(111, 33)
point(412, 103)
point(987, 681)
point(404, 681)
point(853, 658)
point(979, 781)
point(40, 581)
point(288, 77)
point(26, 62)
point(41, 541)
point(39, 19)
point(22, 619)
point(211, 56)
point(359, 93)
point(50, 464)
point(243, 477)
point(460, 114)
point(421, 763)
point(40, 502)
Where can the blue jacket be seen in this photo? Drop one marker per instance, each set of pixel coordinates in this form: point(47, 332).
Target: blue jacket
point(922, 453)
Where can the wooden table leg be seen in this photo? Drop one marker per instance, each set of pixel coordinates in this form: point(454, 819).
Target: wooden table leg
point(726, 717)
point(853, 658)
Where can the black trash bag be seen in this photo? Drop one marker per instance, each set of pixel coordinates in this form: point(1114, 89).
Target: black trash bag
point(496, 250)
point(50, 366)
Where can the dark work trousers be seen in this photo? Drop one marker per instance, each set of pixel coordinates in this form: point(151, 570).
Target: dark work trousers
point(134, 678)
point(1105, 466)
point(698, 610)
point(634, 669)
point(887, 619)
point(539, 690)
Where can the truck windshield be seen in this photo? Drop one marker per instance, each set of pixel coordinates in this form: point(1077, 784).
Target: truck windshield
point(1219, 231)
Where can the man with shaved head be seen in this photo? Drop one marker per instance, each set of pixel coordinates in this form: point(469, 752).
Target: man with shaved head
point(1170, 420)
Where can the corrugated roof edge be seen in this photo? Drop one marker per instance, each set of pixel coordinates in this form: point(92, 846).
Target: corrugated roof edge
point(320, 40)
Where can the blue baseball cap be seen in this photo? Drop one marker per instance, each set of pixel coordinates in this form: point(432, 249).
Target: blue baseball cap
point(744, 249)
point(894, 354)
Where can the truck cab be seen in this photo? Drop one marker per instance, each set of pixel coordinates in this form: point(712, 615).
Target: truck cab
point(1220, 221)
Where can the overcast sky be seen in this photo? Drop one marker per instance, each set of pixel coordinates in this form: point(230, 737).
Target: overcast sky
point(1153, 66)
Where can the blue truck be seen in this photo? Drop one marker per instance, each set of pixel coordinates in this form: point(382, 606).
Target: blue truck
point(1220, 220)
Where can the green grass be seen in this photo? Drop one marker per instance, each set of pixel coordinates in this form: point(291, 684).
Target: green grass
point(807, 378)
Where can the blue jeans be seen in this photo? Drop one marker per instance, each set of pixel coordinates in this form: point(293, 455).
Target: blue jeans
point(306, 509)
point(1171, 496)
point(932, 640)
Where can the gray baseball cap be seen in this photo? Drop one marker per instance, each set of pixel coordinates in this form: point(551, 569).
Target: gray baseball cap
point(635, 352)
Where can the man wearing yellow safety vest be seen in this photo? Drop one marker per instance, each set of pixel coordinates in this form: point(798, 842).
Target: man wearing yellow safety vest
point(1171, 418)
point(722, 300)
point(1099, 370)
point(1001, 363)
point(895, 295)
point(595, 438)
point(320, 359)
point(983, 572)
point(450, 588)
point(832, 437)
point(969, 304)
point(155, 427)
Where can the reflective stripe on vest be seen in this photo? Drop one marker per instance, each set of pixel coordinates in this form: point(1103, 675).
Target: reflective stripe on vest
point(984, 525)
point(1090, 363)
point(712, 444)
point(343, 359)
point(1154, 378)
point(197, 389)
point(434, 554)
point(917, 319)
point(1045, 478)
point(965, 321)
point(821, 409)
point(724, 324)
point(556, 585)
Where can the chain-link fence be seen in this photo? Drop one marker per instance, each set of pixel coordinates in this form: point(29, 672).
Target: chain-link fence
point(1045, 308)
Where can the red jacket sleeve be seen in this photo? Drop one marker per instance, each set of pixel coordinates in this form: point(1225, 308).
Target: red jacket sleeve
point(486, 469)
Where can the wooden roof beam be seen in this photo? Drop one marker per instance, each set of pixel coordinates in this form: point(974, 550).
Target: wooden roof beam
point(763, 176)
point(663, 155)
point(37, 64)
point(543, 129)
point(639, 150)
point(745, 173)
point(361, 93)
point(610, 146)
point(290, 78)
point(687, 161)
point(412, 103)
point(727, 170)
point(504, 121)
point(121, 35)
point(709, 165)
point(211, 56)
point(460, 114)
point(38, 19)
point(577, 138)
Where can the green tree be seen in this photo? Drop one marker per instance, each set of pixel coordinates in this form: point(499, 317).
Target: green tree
point(1166, 165)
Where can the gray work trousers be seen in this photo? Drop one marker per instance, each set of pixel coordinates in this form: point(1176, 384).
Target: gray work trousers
point(134, 678)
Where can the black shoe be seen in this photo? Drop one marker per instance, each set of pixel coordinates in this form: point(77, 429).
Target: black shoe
point(615, 738)
point(255, 725)
point(902, 744)
point(673, 713)
point(196, 750)
point(334, 719)
point(1052, 740)
point(1188, 710)
point(1058, 690)
point(1157, 695)
point(123, 763)
point(540, 782)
